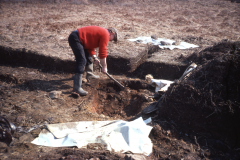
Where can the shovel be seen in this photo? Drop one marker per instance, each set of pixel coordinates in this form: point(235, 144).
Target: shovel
point(118, 83)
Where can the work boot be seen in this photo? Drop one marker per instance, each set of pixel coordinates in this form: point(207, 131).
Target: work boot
point(77, 82)
point(89, 70)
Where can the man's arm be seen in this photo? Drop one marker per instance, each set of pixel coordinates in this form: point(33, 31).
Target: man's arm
point(103, 62)
point(103, 53)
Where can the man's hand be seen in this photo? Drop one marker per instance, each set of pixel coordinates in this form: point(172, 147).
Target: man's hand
point(103, 63)
point(104, 69)
point(96, 60)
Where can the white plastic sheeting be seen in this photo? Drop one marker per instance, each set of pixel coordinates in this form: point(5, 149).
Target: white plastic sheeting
point(145, 40)
point(120, 136)
point(160, 84)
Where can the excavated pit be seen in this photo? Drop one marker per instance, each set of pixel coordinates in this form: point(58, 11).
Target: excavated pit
point(30, 71)
point(106, 97)
point(110, 100)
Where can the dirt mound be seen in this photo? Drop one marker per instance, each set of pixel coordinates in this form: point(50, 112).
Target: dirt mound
point(217, 50)
point(205, 107)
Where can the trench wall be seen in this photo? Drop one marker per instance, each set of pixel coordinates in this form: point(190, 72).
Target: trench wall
point(116, 65)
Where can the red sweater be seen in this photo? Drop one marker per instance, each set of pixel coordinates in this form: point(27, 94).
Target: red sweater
point(93, 37)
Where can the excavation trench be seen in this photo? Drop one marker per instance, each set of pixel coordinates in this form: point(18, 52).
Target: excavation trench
point(34, 72)
point(106, 97)
point(110, 100)
point(116, 65)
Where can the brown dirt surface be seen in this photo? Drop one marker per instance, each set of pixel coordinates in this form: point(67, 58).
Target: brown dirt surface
point(206, 105)
point(198, 118)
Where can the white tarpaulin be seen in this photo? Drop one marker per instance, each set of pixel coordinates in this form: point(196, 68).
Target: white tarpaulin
point(120, 136)
point(161, 84)
point(145, 40)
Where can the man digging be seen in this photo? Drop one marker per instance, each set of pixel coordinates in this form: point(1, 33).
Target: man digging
point(83, 42)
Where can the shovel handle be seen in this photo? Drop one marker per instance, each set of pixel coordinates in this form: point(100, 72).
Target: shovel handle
point(118, 83)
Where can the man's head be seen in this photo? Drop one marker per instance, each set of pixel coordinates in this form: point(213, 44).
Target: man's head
point(115, 32)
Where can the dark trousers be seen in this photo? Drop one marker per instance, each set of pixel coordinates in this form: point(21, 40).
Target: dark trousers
point(81, 55)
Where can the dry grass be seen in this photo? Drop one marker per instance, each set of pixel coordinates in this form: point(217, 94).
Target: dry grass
point(45, 26)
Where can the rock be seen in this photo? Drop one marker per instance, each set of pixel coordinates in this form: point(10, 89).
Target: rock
point(165, 43)
point(148, 78)
point(102, 116)
point(55, 94)
point(139, 41)
point(153, 37)
point(149, 99)
point(84, 80)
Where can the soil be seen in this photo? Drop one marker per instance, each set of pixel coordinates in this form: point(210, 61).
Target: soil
point(198, 117)
point(204, 108)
